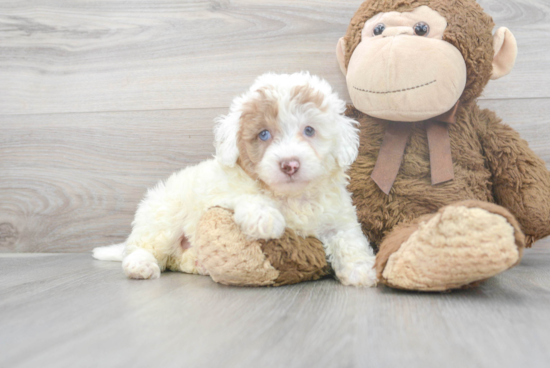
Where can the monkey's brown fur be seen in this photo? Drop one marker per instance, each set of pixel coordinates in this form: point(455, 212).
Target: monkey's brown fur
point(491, 162)
point(297, 259)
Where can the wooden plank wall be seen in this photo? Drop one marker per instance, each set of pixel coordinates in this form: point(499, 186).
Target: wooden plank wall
point(100, 99)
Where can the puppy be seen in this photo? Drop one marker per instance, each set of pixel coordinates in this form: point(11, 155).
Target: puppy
point(281, 159)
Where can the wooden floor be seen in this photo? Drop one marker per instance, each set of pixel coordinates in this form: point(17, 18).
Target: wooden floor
point(71, 311)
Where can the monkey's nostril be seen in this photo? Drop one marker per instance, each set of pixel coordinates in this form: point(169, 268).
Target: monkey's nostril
point(290, 167)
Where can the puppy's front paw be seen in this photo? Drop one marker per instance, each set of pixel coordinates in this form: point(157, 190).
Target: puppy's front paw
point(141, 264)
point(260, 221)
point(358, 273)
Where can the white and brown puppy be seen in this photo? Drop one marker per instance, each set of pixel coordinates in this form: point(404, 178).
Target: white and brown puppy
point(281, 159)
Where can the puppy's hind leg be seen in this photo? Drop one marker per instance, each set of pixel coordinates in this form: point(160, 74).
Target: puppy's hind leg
point(141, 264)
point(157, 226)
point(185, 259)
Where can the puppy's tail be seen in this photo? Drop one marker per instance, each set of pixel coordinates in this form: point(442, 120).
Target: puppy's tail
point(113, 252)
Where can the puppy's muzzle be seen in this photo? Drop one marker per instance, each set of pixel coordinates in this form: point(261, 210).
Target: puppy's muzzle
point(290, 166)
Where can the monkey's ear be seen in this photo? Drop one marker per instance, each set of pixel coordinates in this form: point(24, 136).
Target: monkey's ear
point(506, 50)
point(341, 54)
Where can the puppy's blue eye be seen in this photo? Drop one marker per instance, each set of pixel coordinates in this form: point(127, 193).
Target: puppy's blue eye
point(309, 131)
point(264, 135)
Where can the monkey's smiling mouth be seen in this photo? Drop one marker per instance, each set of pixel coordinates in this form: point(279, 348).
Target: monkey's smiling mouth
point(397, 90)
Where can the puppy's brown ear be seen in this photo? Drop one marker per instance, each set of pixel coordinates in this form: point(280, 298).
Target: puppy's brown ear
point(225, 138)
point(347, 141)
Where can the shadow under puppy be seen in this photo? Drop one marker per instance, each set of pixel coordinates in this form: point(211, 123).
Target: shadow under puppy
point(281, 158)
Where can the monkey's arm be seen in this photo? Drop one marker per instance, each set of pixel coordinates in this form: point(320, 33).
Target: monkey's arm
point(521, 182)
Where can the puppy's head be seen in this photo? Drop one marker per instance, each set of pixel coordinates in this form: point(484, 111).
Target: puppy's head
point(288, 131)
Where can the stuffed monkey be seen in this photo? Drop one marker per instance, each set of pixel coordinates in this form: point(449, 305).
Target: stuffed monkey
point(446, 193)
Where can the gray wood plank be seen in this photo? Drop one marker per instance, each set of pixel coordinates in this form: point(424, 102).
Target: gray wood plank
point(69, 310)
point(530, 117)
point(71, 182)
point(74, 180)
point(527, 21)
point(65, 56)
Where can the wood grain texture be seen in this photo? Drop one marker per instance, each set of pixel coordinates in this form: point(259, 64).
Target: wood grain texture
point(72, 311)
point(530, 117)
point(66, 56)
point(101, 99)
point(71, 182)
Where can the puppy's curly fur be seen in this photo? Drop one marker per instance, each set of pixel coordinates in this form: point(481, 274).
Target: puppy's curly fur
point(281, 158)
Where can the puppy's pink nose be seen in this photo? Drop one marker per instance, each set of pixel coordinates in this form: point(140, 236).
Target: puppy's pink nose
point(290, 167)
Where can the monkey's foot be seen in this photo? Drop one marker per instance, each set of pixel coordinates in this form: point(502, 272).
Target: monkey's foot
point(231, 258)
point(460, 245)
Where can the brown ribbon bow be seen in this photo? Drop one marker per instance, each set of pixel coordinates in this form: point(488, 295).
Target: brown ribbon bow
point(393, 148)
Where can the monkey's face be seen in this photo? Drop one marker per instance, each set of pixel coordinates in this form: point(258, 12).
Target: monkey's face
point(402, 70)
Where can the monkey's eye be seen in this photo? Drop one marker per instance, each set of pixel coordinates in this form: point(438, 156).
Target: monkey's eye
point(309, 131)
point(421, 29)
point(378, 29)
point(264, 135)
